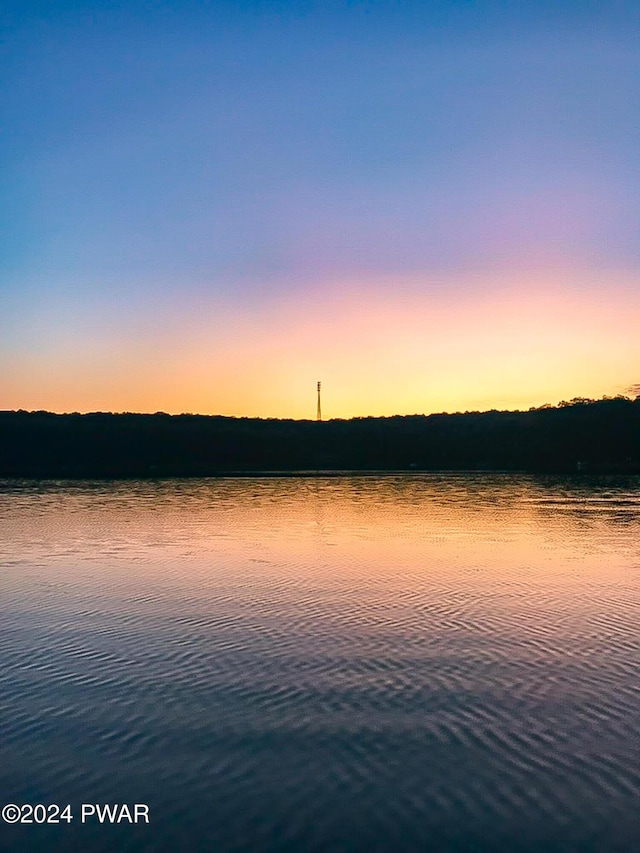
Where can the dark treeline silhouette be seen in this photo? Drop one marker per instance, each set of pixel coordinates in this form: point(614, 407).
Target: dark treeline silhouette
point(583, 435)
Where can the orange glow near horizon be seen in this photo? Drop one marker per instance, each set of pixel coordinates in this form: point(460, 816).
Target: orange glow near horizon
point(383, 347)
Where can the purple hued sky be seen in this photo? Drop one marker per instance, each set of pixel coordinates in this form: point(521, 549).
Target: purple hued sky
point(209, 206)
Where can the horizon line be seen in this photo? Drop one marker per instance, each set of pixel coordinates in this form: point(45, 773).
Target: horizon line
point(574, 401)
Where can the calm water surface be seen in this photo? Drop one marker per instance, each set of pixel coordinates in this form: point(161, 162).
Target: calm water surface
point(324, 664)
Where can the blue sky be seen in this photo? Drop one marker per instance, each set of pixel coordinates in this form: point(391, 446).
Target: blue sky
point(163, 162)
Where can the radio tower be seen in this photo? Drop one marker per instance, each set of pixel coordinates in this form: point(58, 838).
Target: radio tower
point(319, 414)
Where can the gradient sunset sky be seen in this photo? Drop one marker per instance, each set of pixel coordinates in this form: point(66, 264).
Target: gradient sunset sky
point(209, 206)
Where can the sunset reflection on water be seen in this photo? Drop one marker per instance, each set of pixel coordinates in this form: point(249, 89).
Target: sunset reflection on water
point(353, 662)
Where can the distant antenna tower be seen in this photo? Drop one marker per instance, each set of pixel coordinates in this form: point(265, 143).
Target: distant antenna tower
point(319, 414)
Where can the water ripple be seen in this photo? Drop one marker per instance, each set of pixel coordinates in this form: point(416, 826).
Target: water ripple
point(440, 662)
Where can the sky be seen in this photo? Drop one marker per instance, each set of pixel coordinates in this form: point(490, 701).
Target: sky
point(428, 205)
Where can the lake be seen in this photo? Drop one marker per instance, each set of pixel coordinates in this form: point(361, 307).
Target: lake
point(349, 663)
